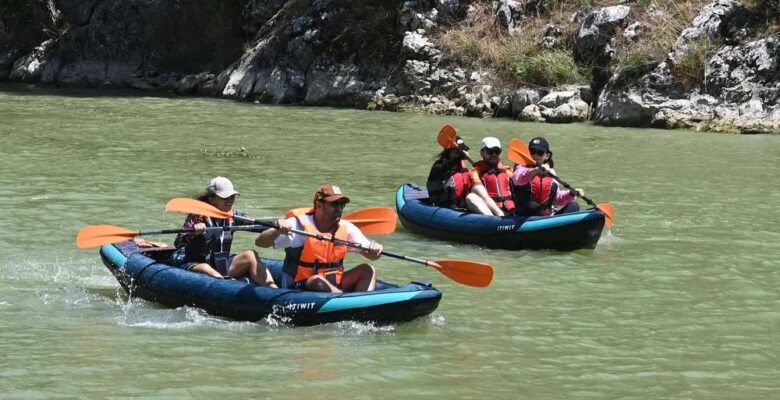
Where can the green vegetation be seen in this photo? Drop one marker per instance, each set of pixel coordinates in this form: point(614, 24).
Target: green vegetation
point(691, 68)
point(516, 58)
point(550, 68)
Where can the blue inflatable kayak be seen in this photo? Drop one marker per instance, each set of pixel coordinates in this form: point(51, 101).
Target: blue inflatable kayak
point(143, 273)
point(580, 230)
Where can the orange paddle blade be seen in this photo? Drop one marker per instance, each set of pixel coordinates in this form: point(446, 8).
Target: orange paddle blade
point(609, 212)
point(374, 220)
point(518, 153)
point(446, 137)
point(98, 235)
point(466, 272)
point(192, 206)
point(371, 221)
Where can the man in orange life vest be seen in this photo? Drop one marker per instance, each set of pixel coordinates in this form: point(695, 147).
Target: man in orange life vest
point(490, 191)
point(318, 265)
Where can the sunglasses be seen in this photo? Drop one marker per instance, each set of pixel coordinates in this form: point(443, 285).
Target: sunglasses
point(493, 151)
point(538, 152)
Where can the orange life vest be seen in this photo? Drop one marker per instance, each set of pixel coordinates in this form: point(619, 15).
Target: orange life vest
point(320, 257)
point(496, 181)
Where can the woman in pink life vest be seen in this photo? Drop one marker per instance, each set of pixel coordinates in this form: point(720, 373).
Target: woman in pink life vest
point(537, 193)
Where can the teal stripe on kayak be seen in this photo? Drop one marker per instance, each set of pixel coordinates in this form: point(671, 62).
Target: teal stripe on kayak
point(343, 303)
point(551, 222)
point(399, 197)
point(114, 255)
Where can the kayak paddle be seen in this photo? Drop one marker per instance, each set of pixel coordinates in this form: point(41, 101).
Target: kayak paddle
point(370, 220)
point(447, 137)
point(466, 272)
point(98, 235)
point(518, 153)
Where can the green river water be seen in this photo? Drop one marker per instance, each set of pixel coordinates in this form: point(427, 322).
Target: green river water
point(681, 300)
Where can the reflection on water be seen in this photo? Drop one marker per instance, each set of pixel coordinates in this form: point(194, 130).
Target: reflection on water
point(680, 300)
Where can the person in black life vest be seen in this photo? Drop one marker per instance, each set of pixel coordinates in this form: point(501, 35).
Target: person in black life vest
point(318, 265)
point(208, 252)
point(448, 181)
point(490, 191)
point(537, 193)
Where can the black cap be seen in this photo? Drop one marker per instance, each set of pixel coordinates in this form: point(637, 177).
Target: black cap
point(461, 144)
point(539, 143)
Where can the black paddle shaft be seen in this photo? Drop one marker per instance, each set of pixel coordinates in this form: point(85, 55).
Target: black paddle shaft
point(567, 186)
point(212, 228)
point(334, 240)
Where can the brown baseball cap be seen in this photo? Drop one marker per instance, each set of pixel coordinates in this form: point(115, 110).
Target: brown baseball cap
point(330, 193)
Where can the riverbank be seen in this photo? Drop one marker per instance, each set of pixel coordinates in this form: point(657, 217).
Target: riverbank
point(698, 65)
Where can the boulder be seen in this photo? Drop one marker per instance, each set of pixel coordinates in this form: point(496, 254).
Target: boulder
point(594, 40)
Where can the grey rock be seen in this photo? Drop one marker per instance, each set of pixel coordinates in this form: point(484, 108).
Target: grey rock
point(555, 99)
point(189, 83)
point(522, 98)
point(741, 91)
point(335, 85)
point(416, 46)
point(30, 68)
point(412, 17)
point(506, 13)
point(448, 8)
point(595, 37)
point(552, 34)
point(706, 24)
point(531, 113)
point(633, 32)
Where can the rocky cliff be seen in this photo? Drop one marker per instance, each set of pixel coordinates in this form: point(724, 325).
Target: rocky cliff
point(720, 71)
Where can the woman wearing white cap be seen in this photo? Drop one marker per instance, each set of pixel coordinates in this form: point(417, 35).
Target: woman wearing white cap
point(208, 252)
point(490, 191)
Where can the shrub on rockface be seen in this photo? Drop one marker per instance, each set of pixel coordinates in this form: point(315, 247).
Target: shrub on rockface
point(690, 70)
point(662, 23)
point(550, 68)
point(515, 59)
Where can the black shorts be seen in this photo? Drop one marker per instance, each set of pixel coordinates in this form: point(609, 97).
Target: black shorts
point(223, 271)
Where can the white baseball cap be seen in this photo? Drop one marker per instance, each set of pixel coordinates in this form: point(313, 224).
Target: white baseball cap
point(222, 187)
point(489, 142)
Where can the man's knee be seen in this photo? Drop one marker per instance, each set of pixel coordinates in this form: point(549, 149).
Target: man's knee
point(367, 270)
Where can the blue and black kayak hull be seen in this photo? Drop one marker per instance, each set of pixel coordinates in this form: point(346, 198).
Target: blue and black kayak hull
point(143, 273)
point(580, 230)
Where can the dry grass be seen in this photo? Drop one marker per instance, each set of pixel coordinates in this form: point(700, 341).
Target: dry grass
point(479, 43)
point(663, 21)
